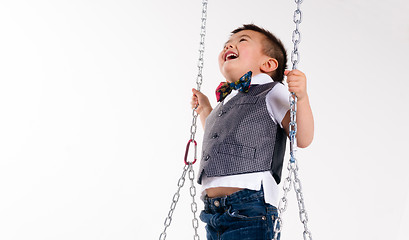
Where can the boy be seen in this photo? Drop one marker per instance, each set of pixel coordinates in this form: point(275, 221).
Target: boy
point(245, 135)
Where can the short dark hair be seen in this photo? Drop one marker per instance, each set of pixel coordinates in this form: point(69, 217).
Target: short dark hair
point(273, 47)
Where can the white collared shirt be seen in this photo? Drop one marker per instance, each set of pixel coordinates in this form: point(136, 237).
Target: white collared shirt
point(277, 105)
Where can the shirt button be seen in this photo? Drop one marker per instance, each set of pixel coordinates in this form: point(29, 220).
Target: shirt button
point(217, 203)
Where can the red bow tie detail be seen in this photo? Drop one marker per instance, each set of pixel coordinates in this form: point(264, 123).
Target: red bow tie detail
point(225, 88)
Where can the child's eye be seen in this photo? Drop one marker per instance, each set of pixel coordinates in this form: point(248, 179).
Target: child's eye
point(243, 39)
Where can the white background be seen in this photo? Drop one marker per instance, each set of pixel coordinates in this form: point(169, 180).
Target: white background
point(95, 114)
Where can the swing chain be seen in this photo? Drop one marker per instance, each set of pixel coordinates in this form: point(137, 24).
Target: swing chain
point(296, 37)
point(193, 206)
point(292, 167)
point(193, 128)
point(188, 168)
point(301, 206)
point(200, 64)
point(175, 200)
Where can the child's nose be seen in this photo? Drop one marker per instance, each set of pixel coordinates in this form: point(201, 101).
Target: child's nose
point(228, 46)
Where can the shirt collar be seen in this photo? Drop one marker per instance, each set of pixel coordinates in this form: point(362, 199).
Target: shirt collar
point(261, 78)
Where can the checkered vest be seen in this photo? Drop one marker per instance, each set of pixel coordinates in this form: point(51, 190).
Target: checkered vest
point(240, 137)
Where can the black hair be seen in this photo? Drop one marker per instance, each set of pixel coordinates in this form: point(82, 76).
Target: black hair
point(273, 47)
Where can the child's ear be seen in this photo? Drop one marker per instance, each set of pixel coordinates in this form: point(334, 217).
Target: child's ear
point(269, 65)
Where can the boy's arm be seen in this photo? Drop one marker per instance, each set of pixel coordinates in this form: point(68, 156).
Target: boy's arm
point(203, 105)
point(297, 83)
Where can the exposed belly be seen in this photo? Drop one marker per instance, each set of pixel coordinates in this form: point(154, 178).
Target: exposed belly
point(221, 191)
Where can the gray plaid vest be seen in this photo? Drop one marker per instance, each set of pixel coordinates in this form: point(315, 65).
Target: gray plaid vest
point(240, 137)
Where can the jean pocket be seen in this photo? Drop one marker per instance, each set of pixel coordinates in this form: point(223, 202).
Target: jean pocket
point(205, 217)
point(248, 213)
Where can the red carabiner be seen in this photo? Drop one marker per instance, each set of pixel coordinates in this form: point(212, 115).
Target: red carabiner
point(187, 151)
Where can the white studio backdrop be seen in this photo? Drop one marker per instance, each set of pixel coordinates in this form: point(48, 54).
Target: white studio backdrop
point(95, 114)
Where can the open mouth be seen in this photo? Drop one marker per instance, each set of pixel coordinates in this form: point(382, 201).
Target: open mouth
point(230, 56)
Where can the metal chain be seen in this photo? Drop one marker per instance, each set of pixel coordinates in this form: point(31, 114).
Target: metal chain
point(200, 64)
point(175, 200)
point(193, 205)
point(292, 167)
point(296, 37)
point(188, 168)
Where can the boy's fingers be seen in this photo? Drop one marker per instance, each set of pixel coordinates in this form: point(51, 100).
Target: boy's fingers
point(196, 93)
point(194, 103)
point(293, 72)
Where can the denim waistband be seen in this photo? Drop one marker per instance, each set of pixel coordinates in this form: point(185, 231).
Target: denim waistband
point(243, 196)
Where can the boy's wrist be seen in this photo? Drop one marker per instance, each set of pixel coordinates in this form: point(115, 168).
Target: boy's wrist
point(303, 99)
point(207, 110)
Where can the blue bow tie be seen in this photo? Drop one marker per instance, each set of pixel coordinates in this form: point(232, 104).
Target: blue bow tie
point(225, 88)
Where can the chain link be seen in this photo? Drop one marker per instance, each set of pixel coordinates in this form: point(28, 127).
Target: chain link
point(193, 206)
point(175, 200)
point(200, 64)
point(296, 37)
point(292, 167)
point(188, 168)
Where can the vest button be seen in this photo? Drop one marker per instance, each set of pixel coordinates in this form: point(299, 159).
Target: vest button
point(215, 136)
point(221, 113)
point(207, 157)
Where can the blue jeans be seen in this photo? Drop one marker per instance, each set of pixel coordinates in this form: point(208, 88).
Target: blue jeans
point(242, 215)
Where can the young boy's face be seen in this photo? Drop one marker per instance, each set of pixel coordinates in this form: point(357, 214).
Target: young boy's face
point(243, 52)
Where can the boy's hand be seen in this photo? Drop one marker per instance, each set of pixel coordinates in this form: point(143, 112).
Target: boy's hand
point(297, 83)
point(202, 105)
point(200, 102)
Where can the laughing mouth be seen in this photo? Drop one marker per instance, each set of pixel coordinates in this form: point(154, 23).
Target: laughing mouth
point(230, 55)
